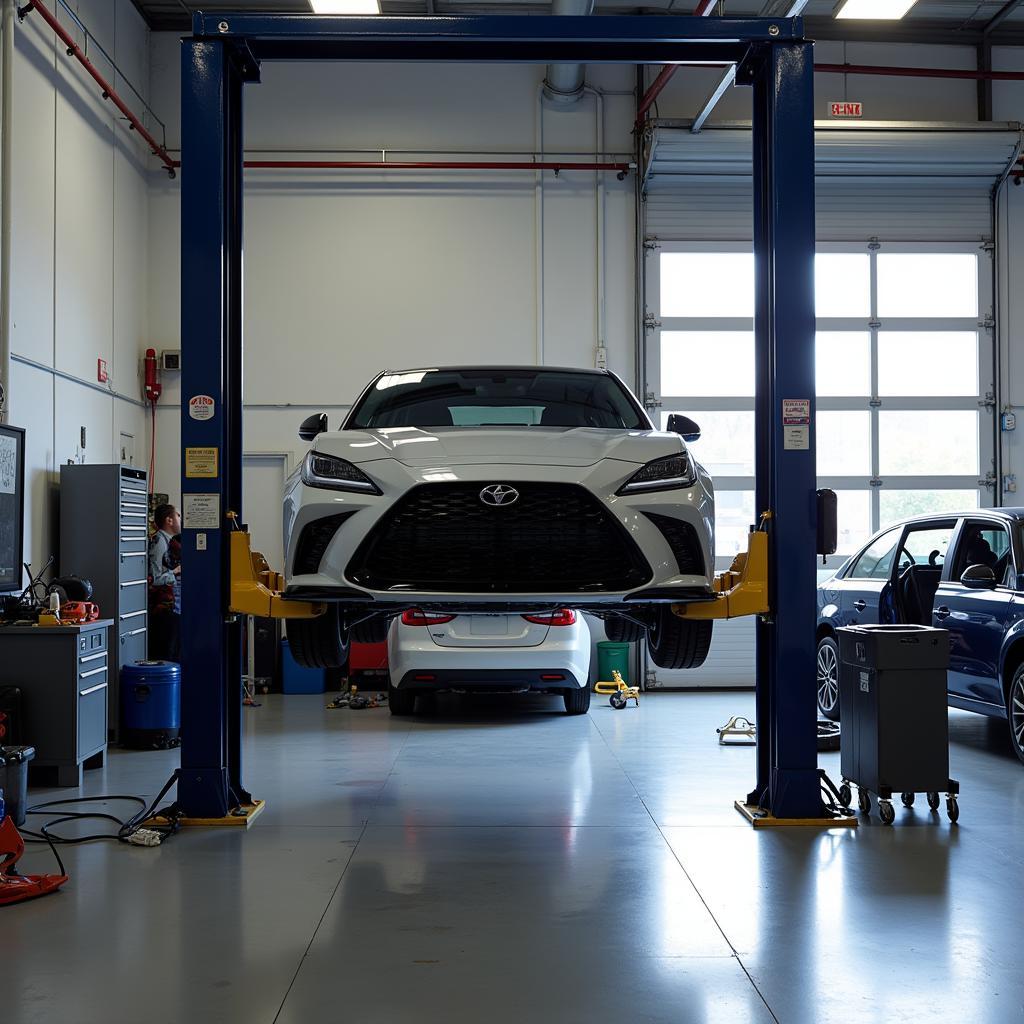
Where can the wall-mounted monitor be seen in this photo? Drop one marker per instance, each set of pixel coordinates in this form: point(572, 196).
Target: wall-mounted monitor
point(12, 506)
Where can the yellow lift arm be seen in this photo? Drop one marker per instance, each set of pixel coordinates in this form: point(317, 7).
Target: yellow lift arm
point(256, 588)
point(742, 589)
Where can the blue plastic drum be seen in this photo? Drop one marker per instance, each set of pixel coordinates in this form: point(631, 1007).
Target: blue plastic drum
point(151, 705)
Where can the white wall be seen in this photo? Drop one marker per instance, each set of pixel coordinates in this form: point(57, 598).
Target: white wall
point(80, 250)
point(347, 274)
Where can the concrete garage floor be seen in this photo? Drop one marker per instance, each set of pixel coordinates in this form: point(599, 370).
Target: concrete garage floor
point(498, 861)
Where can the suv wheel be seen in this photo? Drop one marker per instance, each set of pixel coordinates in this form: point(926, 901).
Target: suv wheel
point(577, 700)
point(623, 631)
point(678, 643)
point(319, 642)
point(1015, 712)
point(828, 678)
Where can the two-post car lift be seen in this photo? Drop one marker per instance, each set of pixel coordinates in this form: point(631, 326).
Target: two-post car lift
point(224, 54)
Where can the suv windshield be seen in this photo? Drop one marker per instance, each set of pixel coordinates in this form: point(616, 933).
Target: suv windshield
point(497, 398)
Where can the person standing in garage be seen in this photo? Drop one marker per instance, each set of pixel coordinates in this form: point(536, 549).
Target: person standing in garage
point(165, 585)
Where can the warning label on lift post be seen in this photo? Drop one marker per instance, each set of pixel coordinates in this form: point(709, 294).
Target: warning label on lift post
point(201, 407)
point(796, 424)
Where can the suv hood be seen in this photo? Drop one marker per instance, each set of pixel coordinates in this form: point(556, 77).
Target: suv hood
point(550, 446)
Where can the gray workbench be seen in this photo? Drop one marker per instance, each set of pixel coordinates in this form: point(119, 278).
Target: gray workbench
point(63, 674)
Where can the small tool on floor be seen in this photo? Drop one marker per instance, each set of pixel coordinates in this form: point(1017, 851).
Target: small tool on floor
point(621, 692)
point(737, 732)
point(15, 887)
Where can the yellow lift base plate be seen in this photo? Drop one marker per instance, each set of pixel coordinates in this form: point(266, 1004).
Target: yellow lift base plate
point(256, 588)
point(741, 590)
point(240, 820)
point(760, 819)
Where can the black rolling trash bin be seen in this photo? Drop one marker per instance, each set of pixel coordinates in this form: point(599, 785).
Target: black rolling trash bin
point(14, 780)
point(892, 703)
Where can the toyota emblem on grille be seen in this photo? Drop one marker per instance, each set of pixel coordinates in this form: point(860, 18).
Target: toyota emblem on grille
point(499, 494)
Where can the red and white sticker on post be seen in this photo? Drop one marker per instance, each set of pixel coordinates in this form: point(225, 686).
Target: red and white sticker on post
point(201, 407)
point(796, 424)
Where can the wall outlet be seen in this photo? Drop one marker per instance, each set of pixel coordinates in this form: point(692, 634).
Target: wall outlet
point(101, 371)
point(1008, 421)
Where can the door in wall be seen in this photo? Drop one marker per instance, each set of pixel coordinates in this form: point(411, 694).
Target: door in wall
point(263, 479)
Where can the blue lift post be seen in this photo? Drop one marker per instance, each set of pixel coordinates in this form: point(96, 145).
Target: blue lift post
point(223, 54)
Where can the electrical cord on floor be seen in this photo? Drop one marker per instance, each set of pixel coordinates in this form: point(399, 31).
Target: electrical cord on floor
point(833, 801)
point(128, 831)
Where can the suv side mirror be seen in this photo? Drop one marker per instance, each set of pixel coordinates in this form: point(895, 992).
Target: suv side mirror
point(313, 425)
point(683, 425)
point(978, 577)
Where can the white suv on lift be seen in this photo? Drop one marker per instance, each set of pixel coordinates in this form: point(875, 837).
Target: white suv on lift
point(505, 490)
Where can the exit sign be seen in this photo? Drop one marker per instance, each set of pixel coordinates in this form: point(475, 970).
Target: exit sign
point(846, 109)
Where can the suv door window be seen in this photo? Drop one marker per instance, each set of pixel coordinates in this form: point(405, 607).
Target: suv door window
point(926, 544)
point(920, 561)
point(984, 544)
point(875, 561)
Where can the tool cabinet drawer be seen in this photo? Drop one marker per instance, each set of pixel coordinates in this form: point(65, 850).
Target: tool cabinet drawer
point(92, 717)
point(132, 643)
point(132, 565)
point(132, 595)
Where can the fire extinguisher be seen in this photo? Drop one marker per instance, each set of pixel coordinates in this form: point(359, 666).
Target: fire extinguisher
point(153, 386)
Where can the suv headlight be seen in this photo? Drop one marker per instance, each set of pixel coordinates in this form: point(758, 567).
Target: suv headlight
point(661, 475)
point(319, 470)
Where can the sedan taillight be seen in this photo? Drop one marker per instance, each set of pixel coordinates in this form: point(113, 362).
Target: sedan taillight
point(418, 617)
point(562, 617)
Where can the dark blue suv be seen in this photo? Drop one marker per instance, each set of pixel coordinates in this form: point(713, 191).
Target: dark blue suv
point(962, 572)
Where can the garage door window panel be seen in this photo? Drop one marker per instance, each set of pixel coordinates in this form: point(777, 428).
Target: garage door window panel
point(706, 364)
point(927, 284)
point(927, 363)
point(901, 504)
point(902, 370)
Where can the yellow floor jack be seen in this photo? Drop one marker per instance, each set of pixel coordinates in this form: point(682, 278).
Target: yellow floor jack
point(621, 692)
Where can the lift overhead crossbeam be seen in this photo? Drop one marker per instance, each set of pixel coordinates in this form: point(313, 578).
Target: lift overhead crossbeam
point(772, 57)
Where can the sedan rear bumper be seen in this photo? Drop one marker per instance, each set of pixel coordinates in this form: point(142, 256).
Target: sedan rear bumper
point(489, 680)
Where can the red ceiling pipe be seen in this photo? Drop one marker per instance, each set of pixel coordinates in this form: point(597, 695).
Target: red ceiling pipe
point(654, 90)
point(702, 9)
point(881, 69)
point(109, 92)
point(437, 165)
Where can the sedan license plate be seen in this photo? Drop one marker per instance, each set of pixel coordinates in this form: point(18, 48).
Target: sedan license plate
point(489, 625)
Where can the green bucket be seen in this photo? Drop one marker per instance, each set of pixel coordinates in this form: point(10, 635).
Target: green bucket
point(612, 656)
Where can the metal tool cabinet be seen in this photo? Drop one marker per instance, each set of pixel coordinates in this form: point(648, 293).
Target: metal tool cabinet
point(63, 673)
point(892, 699)
point(104, 536)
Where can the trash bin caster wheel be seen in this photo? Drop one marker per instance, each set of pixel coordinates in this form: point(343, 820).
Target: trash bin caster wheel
point(886, 812)
point(933, 801)
point(952, 809)
point(908, 799)
point(845, 794)
point(864, 801)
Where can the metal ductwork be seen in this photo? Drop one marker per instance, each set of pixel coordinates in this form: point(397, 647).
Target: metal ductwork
point(563, 83)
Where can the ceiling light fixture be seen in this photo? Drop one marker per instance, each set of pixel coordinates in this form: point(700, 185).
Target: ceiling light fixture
point(872, 10)
point(345, 6)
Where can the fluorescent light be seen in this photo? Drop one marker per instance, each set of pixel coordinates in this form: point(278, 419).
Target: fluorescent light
point(875, 10)
point(345, 6)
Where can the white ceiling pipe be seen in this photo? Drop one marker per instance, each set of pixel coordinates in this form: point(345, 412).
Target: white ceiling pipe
point(563, 83)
